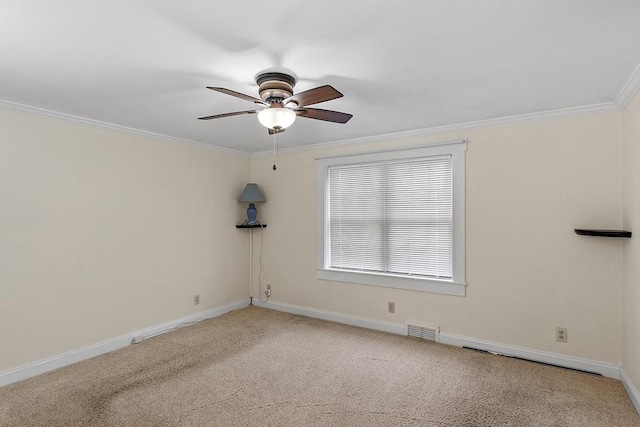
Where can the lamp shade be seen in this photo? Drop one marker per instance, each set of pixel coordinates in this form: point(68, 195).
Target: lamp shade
point(251, 194)
point(277, 117)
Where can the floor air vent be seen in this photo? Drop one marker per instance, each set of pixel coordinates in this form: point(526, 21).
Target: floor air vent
point(426, 332)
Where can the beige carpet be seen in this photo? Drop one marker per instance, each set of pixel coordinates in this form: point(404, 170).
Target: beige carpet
point(257, 367)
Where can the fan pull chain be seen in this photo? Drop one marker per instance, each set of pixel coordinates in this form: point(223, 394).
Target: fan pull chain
point(275, 149)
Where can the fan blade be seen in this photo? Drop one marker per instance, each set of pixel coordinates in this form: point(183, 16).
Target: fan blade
point(219, 116)
point(326, 115)
point(239, 95)
point(314, 96)
point(273, 131)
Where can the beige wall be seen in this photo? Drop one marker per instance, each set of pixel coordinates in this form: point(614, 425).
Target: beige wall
point(528, 187)
point(105, 233)
point(631, 221)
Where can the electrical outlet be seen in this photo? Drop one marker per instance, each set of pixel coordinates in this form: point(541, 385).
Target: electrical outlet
point(391, 307)
point(196, 299)
point(268, 291)
point(561, 334)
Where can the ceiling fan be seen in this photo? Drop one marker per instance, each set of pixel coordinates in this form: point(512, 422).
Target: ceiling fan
point(281, 105)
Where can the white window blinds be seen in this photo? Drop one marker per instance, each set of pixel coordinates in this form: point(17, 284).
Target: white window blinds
point(393, 217)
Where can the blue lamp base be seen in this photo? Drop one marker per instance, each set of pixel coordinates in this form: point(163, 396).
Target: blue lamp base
point(252, 213)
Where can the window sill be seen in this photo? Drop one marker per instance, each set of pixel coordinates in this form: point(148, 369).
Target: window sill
point(399, 282)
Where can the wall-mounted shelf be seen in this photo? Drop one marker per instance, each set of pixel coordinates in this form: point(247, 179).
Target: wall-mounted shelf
point(603, 233)
point(251, 226)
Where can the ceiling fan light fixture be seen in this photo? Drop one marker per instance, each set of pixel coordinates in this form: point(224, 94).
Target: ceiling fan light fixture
point(277, 117)
point(281, 104)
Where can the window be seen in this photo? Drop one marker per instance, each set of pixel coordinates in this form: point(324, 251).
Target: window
point(394, 218)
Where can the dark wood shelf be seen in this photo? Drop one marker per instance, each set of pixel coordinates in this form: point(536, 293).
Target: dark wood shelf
point(251, 226)
point(603, 233)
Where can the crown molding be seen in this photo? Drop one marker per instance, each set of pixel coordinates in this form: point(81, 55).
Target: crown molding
point(601, 108)
point(628, 91)
point(110, 126)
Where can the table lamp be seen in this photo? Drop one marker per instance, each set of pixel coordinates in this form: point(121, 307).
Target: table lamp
point(251, 194)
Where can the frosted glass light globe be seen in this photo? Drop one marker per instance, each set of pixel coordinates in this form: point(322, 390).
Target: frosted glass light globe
point(277, 117)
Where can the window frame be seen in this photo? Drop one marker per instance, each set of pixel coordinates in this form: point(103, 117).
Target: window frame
point(454, 286)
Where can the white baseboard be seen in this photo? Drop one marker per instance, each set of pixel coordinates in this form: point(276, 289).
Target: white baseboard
point(631, 389)
point(393, 328)
point(605, 369)
point(45, 365)
point(73, 356)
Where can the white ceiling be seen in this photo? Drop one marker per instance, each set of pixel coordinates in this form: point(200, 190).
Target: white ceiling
point(401, 65)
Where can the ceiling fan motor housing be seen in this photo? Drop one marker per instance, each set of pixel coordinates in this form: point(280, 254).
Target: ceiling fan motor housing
point(274, 87)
